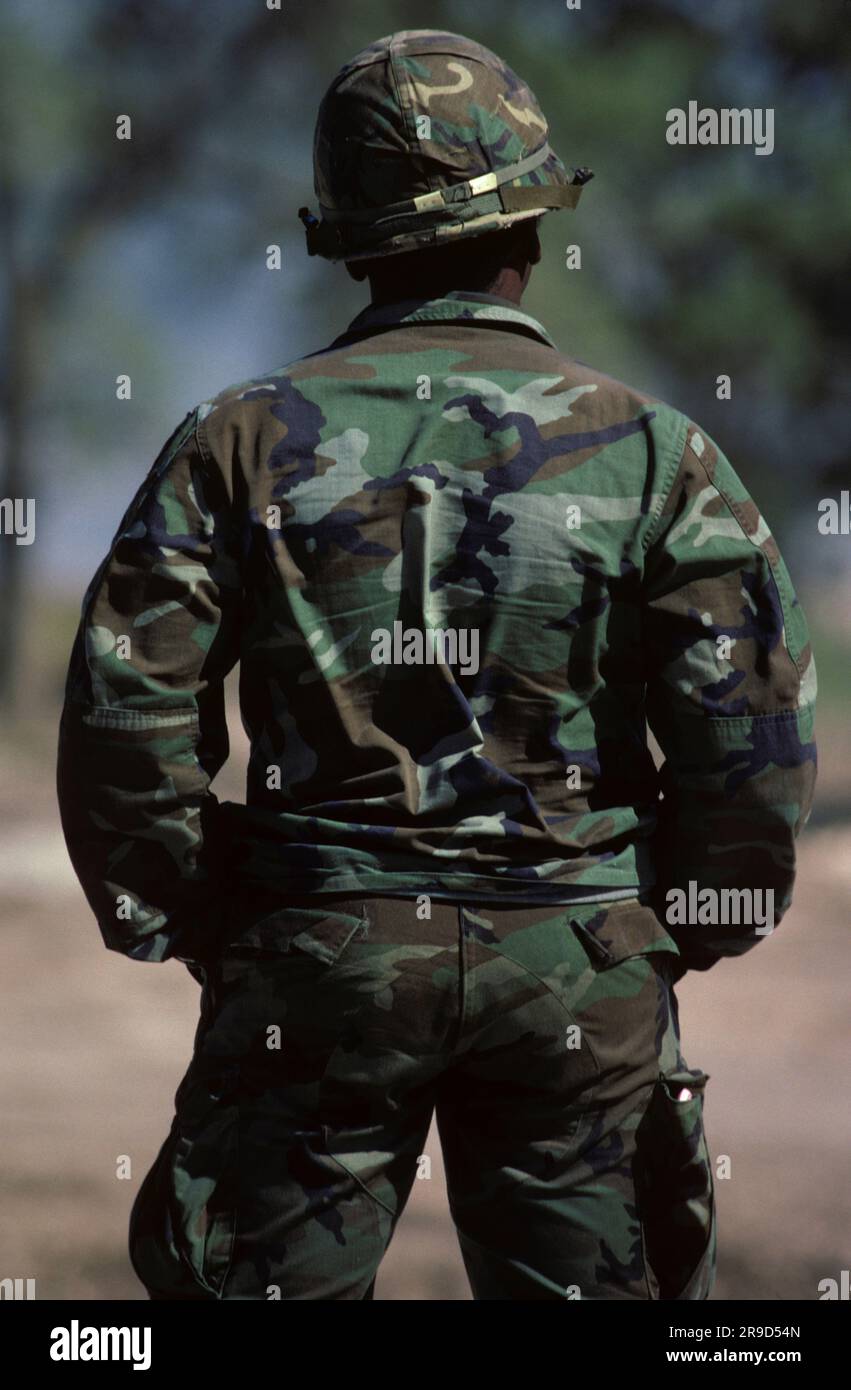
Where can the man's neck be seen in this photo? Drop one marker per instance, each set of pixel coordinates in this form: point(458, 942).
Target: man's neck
point(392, 289)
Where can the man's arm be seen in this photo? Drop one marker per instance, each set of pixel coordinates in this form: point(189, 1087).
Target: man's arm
point(731, 687)
point(143, 728)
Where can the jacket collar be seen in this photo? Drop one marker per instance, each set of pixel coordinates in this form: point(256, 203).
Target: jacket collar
point(458, 306)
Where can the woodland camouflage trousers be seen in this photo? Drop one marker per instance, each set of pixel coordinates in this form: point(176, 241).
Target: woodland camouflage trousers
point(547, 1041)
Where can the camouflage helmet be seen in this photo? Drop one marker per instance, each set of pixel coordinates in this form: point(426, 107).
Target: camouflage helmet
point(425, 136)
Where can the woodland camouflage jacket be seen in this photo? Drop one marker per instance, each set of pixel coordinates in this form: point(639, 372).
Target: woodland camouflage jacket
point(441, 466)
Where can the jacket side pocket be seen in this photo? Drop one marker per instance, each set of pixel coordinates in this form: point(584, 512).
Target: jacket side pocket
point(675, 1188)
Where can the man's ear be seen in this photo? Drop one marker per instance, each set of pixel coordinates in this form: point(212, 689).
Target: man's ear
point(534, 243)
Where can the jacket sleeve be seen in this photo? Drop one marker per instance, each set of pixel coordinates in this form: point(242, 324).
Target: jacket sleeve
point(143, 728)
point(730, 689)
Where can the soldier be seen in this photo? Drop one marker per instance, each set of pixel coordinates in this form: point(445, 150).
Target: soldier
point(462, 573)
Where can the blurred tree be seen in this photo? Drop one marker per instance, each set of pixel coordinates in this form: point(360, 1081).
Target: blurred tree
point(184, 73)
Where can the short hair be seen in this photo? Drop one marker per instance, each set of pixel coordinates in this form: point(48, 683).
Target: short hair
point(474, 262)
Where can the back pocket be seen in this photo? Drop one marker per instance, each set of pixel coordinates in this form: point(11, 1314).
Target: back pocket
point(617, 931)
point(308, 927)
point(674, 1187)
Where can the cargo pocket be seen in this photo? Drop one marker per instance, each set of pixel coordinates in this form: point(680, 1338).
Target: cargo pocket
point(204, 1171)
point(674, 1188)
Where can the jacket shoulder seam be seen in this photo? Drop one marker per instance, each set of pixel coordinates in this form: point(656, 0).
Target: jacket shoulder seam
point(673, 469)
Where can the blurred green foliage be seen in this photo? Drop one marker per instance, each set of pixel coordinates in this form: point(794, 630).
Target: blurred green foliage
point(696, 261)
point(148, 256)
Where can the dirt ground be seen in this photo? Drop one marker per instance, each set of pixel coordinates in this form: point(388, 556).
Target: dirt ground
point(92, 1047)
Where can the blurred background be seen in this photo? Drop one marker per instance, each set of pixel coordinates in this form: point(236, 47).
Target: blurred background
point(148, 257)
